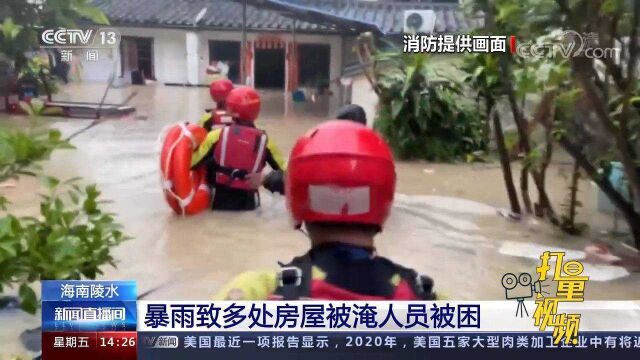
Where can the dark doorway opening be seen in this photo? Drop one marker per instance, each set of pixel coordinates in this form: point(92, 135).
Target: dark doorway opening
point(229, 53)
point(137, 54)
point(314, 61)
point(269, 68)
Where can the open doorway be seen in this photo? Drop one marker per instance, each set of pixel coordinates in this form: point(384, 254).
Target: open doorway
point(229, 53)
point(137, 55)
point(314, 61)
point(269, 68)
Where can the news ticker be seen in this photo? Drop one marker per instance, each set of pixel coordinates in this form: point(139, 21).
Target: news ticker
point(104, 320)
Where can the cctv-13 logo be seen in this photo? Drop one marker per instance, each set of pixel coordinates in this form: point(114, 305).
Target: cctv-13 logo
point(570, 285)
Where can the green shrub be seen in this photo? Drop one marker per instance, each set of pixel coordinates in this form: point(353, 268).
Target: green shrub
point(72, 237)
point(422, 118)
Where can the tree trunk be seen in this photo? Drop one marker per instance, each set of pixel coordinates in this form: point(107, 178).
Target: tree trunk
point(523, 135)
point(544, 202)
point(504, 162)
point(625, 207)
point(620, 136)
point(544, 207)
point(524, 177)
point(524, 189)
point(573, 198)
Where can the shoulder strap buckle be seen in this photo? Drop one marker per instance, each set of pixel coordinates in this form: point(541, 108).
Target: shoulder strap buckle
point(239, 174)
point(424, 285)
point(290, 276)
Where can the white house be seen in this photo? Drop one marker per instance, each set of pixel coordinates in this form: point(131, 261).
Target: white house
point(288, 44)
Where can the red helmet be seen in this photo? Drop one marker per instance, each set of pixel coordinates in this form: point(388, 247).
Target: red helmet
point(243, 103)
point(220, 89)
point(340, 171)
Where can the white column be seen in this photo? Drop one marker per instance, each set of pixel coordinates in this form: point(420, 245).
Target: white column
point(192, 41)
point(117, 62)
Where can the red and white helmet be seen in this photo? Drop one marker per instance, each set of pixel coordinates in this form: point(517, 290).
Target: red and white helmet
point(243, 103)
point(340, 171)
point(220, 89)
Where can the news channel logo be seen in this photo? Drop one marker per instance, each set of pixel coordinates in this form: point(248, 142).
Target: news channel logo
point(79, 38)
point(567, 44)
point(520, 287)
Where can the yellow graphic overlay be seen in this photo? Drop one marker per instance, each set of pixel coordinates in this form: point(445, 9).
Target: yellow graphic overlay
point(570, 288)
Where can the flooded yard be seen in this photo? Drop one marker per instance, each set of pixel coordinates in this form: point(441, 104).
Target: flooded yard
point(444, 222)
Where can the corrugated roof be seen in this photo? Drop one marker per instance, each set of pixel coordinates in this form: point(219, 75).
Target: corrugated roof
point(313, 15)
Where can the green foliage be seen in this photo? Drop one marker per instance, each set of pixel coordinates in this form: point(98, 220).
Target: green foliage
point(483, 74)
point(71, 239)
point(421, 118)
point(9, 32)
point(511, 139)
point(72, 236)
point(571, 89)
point(67, 12)
point(21, 19)
point(19, 151)
point(38, 71)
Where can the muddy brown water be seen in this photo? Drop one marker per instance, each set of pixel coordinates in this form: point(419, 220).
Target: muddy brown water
point(444, 222)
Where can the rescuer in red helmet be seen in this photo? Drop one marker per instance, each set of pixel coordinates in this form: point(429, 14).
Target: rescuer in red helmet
point(219, 90)
point(236, 153)
point(274, 181)
point(340, 186)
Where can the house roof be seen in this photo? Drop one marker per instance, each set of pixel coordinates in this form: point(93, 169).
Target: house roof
point(388, 15)
point(317, 15)
point(220, 14)
point(323, 16)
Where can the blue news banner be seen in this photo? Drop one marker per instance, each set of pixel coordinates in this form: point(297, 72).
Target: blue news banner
point(313, 329)
point(89, 320)
point(104, 320)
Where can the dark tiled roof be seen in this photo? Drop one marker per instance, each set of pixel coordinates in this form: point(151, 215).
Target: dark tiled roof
point(384, 16)
point(220, 14)
point(388, 15)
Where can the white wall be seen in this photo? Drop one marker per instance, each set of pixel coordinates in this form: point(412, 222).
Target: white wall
point(333, 40)
point(99, 71)
point(192, 42)
point(170, 52)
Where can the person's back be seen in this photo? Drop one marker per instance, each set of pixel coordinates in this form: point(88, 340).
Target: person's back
point(219, 90)
point(235, 153)
point(340, 186)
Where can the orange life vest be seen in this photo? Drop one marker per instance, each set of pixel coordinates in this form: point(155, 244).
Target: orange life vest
point(240, 150)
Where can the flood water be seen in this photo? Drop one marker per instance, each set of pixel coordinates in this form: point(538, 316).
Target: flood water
point(444, 222)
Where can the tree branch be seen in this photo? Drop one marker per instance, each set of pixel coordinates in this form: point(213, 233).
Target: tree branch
point(621, 141)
